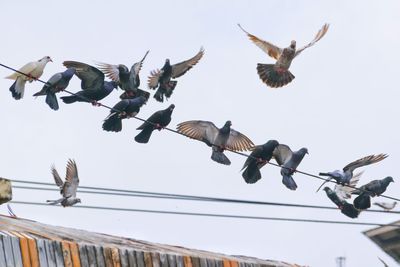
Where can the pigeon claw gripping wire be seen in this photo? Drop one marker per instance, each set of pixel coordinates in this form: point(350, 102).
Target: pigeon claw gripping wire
point(158, 127)
point(95, 103)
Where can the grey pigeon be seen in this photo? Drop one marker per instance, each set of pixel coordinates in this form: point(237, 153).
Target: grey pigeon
point(161, 79)
point(69, 187)
point(278, 74)
point(92, 82)
point(344, 176)
point(218, 139)
point(33, 71)
point(371, 189)
point(158, 120)
point(57, 83)
point(259, 156)
point(289, 161)
point(124, 109)
point(386, 206)
point(346, 208)
point(128, 80)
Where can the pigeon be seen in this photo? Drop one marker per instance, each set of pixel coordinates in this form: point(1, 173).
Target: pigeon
point(69, 187)
point(259, 156)
point(158, 120)
point(161, 79)
point(344, 191)
point(93, 84)
point(33, 71)
point(278, 74)
point(125, 108)
point(386, 206)
point(371, 189)
point(344, 176)
point(128, 80)
point(346, 208)
point(218, 139)
point(57, 83)
point(289, 161)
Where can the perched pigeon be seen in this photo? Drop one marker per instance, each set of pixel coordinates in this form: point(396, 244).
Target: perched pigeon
point(371, 189)
point(93, 84)
point(344, 176)
point(259, 156)
point(69, 187)
point(158, 120)
point(162, 78)
point(346, 208)
point(128, 80)
point(386, 206)
point(33, 71)
point(218, 139)
point(57, 83)
point(125, 108)
point(278, 74)
point(289, 161)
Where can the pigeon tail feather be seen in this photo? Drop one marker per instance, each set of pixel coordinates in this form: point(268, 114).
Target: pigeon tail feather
point(251, 175)
point(159, 95)
point(170, 88)
point(144, 136)
point(17, 89)
point(55, 202)
point(220, 157)
point(289, 182)
point(51, 100)
point(272, 77)
point(362, 202)
point(113, 123)
point(349, 210)
point(69, 99)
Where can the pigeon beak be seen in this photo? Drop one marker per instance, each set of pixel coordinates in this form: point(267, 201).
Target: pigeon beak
point(50, 60)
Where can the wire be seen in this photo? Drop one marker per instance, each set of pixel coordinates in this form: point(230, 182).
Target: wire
point(211, 214)
point(129, 193)
point(228, 149)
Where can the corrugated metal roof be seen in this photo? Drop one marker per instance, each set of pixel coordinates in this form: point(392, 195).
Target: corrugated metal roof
point(29, 243)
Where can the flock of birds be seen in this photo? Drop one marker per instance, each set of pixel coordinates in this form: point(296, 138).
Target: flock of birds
point(95, 88)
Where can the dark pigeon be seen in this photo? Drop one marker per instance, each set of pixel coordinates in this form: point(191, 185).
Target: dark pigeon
point(158, 120)
point(125, 108)
point(161, 79)
point(346, 208)
point(371, 189)
point(257, 159)
point(218, 139)
point(57, 83)
point(94, 88)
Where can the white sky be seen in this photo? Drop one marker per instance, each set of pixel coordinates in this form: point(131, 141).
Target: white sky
point(343, 105)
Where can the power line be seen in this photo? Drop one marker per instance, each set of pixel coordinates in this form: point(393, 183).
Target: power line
point(228, 149)
point(211, 214)
point(130, 193)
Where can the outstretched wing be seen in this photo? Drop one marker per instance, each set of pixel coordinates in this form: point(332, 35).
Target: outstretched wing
point(135, 69)
point(91, 77)
point(71, 180)
point(282, 154)
point(238, 141)
point(317, 37)
point(110, 70)
point(344, 191)
point(56, 176)
point(154, 78)
point(272, 50)
point(364, 161)
point(204, 131)
point(181, 68)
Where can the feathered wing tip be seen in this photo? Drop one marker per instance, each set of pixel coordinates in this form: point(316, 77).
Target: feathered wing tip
point(112, 124)
point(144, 136)
point(51, 100)
point(349, 210)
point(362, 202)
point(288, 181)
point(166, 90)
point(220, 157)
point(272, 77)
point(69, 99)
point(251, 175)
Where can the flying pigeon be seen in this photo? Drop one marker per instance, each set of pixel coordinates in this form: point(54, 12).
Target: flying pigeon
point(93, 84)
point(158, 120)
point(218, 139)
point(344, 176)
point(289, 161)
point(386, 206)
point(371, 189)
point(67, 188)
point(125, 108)
point(346, 208)
point(57, 83)
point(162, 78)
point(128, 80)
point(259, 156)
point(278, 74)
point(344, 191)
point(33, 71)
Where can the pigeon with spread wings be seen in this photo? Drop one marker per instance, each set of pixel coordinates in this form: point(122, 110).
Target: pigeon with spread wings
point(344, 176)
point(218, 139)
point(289, 161)
point(128, 80)
point(94, 87)
point(278, 74)
point(161, 79)
point(69, 187)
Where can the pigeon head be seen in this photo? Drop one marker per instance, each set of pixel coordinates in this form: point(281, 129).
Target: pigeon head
point(326, 189)
point(167, 61)
point(293, 44)
point(271, 143)
point(45, 59)
point(69, 72)
point(228, 123)
point(389, 179)
point(77, 200)
point(171, 107)
point(303, 151)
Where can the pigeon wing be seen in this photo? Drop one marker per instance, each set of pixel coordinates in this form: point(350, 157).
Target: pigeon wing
point(71, 180)
point(317, 37)
point(154, 78)
point(110, 70)
point(135, 69)
point(238, 141)
point(56, 176)
point(27, 68)
point(343, 191)
point(272, 50)
point(181, 68)
point(364, 161)
point(282, 154)
point(204, 131)
point(91, 77)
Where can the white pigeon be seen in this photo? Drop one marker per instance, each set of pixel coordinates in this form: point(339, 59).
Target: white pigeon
point(344, 191)
point(33, 71)
point(386, 206)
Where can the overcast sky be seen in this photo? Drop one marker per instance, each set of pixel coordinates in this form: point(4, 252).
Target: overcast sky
point(342, 105)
